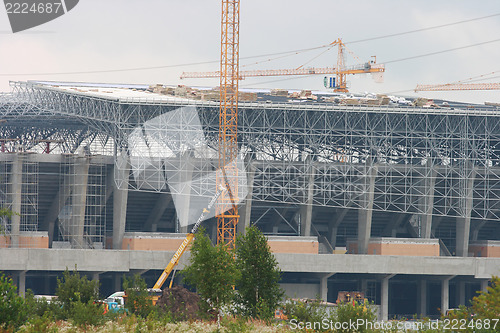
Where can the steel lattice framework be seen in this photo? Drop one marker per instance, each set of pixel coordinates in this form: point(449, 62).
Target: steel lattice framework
point(413, 160)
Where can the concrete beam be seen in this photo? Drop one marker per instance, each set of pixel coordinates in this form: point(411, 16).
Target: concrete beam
point(463, 223)
point(365, 213)
point(124, 261)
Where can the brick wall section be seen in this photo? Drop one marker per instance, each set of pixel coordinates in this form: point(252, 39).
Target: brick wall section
point(398, 246)
point(486, 248)
point(171, 242)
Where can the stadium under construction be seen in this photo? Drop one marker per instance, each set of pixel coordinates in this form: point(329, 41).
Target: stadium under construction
point(398, 200)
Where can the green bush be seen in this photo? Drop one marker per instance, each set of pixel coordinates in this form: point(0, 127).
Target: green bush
point(305, 311)
point(349, 312)
point(138, 301)
point(12, 310)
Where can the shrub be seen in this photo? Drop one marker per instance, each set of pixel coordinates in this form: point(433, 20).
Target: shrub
point(138, 301)
point(12, 310)
point(349, 312)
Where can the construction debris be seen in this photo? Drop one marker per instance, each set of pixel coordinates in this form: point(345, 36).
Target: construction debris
point(180, 302)
point(279, 92)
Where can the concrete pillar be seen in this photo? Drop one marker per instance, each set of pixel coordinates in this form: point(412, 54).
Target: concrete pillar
point(427, 204)
point(323, 286)
point(22, 283)
point(161, 204)
point(461, 292)
point(16, 192)
point(246, 211)
point(334, 224)
point(445, 294)
point(365, 213)
point(307, 208)
point(384, 298)
point(422, 298)
point(120, 199)
point(55, 208)
point(79, 200)
point(463, 223)
point(484, 285)
point(181, 179)
point(363, 286)
point(117, 282)
point(392, 226)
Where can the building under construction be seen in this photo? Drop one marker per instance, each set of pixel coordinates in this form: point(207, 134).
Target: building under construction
point(398, 201)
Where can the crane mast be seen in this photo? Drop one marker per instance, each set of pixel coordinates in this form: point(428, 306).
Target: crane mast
point(226, 210)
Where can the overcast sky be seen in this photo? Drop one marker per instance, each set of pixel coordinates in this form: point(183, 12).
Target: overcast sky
point(99, 35)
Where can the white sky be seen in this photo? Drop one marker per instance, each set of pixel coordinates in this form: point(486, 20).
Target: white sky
point(121, 34)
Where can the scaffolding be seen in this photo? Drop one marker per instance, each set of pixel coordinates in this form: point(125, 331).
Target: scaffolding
point(19, 194)
point(81, 219)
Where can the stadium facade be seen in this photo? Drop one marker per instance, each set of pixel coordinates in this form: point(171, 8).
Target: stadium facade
point(400, 202)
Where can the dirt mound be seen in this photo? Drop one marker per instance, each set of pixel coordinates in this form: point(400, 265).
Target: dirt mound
point(182, 303)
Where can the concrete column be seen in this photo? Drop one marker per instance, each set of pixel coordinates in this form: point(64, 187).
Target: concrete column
point(55, 208)
point(422, 298)
point(384, 298)
point(365, 214)
point(22, 283)
point(427, 204)
point(117, 282)
point(484, 285)
point(307, 208)
point(120, 199)
point(461, 292)
point(79, 198)
point(463, 223)
point(16, 192)
point(445, 294)
point(161, 204)
point(363, 286)
point(182, 179)
point(323, 286)
point(246, 211)
point(334, 224)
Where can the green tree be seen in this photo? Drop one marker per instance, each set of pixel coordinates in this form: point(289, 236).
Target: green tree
point(73, 288)
point(12, 310)
point(487, 304)
point(77, 297)
point(212, 271)
point(258, 287)
point(138, 300)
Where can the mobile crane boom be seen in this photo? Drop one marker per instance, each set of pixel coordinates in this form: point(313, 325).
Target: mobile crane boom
point(190, 236)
